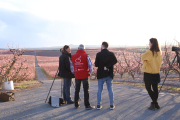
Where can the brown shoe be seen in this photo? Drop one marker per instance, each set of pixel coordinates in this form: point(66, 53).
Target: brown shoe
point(152, 107)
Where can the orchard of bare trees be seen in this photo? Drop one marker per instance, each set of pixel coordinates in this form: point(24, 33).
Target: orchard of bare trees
point(17, 66)
point(129, 63)
point(14, 67)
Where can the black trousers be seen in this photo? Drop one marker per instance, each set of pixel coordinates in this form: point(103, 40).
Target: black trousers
point(152, 90)
point(86, 91)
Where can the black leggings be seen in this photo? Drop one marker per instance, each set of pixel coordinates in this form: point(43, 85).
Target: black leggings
point(152, 90)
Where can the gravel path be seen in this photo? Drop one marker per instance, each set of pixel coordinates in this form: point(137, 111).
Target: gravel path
point(131, 104)
point(40, 75)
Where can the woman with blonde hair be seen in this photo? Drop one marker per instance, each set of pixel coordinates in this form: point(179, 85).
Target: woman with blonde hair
point(152, 60)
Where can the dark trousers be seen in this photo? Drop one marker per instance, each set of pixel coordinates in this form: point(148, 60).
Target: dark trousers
point(86, 91)
point(152, 91)
point(67, 89)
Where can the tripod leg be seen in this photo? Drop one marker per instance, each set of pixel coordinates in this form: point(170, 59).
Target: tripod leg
point(73, 84)
point(61, 87)
point(52, 85)
point(167, 73)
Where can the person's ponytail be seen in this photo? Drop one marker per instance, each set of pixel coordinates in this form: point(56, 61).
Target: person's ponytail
point(61, 49)
point(64, 49)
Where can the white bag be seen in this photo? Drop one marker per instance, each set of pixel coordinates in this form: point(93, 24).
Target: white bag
point(8, 85)
point(55, 102)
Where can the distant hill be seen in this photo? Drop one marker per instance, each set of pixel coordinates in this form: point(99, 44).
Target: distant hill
point(76, 46)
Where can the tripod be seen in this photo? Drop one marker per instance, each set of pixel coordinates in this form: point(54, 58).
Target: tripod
point(53, 83)
point(170, 68)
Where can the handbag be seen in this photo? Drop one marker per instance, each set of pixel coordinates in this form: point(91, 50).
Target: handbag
point(7, 96)
point(56, 101)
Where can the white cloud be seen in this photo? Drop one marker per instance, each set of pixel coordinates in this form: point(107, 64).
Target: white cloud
point(118, 21)
point(2, 25)
point(8, 6)
point(94, 11)
point(47, 40)
point(46, 37)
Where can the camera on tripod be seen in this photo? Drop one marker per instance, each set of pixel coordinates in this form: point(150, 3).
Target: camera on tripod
point(175, 48)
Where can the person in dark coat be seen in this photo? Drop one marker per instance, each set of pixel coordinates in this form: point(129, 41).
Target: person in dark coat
point(105, 60)
point(65, 73)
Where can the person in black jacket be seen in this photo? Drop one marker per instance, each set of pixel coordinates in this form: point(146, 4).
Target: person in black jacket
point(65, 73)
point(105, 61)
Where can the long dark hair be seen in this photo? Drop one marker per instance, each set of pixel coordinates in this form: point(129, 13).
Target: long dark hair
point(155, 46)
point(64, 49)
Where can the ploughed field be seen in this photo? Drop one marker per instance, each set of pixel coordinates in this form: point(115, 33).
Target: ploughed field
point(128, 66)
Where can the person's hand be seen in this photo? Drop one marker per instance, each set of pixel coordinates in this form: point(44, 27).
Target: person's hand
point(105, 68)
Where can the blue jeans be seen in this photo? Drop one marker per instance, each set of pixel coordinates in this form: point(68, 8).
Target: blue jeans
point(109, 87)
point(67, 89)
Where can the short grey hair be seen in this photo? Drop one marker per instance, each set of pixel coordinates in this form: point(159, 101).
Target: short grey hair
point(81, 47)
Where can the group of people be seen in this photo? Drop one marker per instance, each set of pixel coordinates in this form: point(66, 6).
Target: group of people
point(79, 66)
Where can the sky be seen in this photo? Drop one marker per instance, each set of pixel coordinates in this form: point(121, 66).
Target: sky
point(47, 23)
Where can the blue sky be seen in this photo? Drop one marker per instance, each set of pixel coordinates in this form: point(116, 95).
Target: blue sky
point(47, 23)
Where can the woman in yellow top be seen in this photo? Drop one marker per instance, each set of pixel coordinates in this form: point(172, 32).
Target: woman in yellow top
point(152, 60)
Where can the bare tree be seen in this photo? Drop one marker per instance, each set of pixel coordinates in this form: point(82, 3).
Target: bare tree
point(7, 70)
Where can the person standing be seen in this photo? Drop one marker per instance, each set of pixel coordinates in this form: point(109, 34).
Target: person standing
point(82, 67)
point(152, 60)
point(105, 60)
point(65, 73)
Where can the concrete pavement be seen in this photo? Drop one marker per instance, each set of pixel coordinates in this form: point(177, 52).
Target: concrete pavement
point(131, 104)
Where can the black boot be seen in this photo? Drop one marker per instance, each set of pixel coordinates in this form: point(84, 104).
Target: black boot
point(157, 105)
point(152, 106)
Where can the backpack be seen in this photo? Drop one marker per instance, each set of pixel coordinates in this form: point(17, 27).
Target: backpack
point(7, 96)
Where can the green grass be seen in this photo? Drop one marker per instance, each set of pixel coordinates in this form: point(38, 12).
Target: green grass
point(178, 89)
point(35, 74)
point(26, 84)
point(20, 87)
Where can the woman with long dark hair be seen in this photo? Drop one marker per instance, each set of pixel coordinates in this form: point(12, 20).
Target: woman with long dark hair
point(65, 73)
point(152, 60)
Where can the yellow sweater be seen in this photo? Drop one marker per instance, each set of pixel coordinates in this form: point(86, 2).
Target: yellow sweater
point(151, 64)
